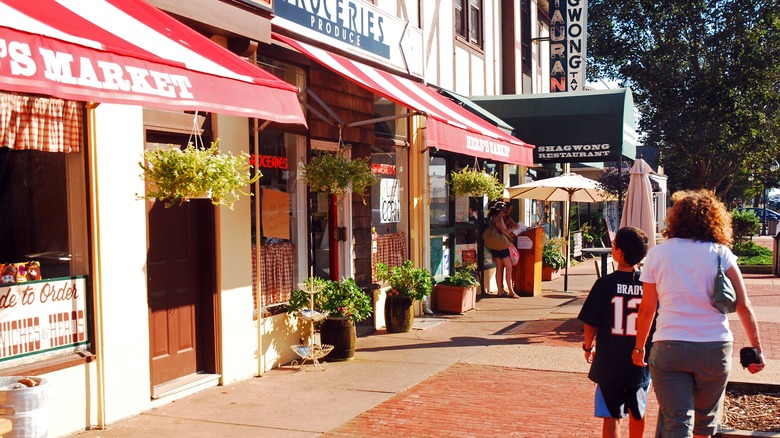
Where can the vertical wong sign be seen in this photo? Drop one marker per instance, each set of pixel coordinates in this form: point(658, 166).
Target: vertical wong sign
point(568, 30)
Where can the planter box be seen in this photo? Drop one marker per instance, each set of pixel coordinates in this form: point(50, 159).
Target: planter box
point(548, 273)
point(453, 299)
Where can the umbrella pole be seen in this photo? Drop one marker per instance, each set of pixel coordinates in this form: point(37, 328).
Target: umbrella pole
point(566, 244)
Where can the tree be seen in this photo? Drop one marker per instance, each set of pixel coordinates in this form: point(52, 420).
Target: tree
point(706, 82)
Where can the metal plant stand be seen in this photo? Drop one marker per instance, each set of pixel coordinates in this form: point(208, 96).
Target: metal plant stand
point(312, 351)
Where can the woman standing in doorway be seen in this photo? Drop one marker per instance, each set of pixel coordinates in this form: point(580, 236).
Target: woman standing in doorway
point(496, 217)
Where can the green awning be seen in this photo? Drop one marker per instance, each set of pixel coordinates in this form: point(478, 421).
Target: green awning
point(571, 127)
point(466, 103)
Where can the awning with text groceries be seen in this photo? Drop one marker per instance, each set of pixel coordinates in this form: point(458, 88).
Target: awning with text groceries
point(129, 52)
point(449, 126)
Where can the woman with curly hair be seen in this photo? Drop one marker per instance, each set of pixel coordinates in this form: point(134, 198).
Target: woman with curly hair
point(691, 356)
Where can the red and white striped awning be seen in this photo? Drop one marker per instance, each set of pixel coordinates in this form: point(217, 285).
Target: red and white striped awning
point(449, 127)
point(129, 52)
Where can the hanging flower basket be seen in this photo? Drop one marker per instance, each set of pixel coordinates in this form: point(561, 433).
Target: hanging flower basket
point(336, 174)
point(473, 182)
point(176, 176)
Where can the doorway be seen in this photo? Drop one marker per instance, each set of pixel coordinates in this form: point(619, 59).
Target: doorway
point(181, 287)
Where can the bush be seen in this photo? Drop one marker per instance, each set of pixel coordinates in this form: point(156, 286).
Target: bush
point(552, 253)
point(462, 277)
point(750, 253)
point(745, 225)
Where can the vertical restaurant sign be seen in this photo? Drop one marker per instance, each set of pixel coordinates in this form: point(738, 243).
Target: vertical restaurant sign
point(568, 48)
point(41, 316)
point(357, 27)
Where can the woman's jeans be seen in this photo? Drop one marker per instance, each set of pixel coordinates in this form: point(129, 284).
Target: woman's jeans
point(689, 380)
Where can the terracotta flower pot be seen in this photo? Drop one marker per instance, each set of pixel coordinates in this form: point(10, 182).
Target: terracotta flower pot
point(399, 315)
point(454, 299)
point(549, 273)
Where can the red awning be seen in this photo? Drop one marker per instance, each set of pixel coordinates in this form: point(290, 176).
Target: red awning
point(449, 127)
point(129, 52)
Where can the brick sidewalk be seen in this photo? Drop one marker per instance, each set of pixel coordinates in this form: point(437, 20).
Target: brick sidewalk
point(483, 401)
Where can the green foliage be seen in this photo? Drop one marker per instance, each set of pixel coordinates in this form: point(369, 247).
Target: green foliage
point(552, 253)
point(345, 299)
point(337, 174)
point(615, 183)
point(463, 277)
point(714, 113)
point(745, 225)
point(749, 248)
point(176, 175)
point(406, 280)
point(476, 183)
point(750, 253)
point(336, 298)
point(300, 299)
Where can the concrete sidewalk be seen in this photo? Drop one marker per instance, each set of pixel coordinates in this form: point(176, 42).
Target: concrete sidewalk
point(513, 367)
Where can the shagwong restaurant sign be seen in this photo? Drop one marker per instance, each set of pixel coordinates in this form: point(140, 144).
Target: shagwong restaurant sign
point(42, 316)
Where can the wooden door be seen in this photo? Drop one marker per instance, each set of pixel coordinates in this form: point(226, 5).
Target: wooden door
point(179, 263)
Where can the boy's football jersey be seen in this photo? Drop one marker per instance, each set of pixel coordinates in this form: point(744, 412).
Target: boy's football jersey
point(612, 307)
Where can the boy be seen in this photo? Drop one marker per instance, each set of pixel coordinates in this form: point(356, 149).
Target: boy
point(609, 314)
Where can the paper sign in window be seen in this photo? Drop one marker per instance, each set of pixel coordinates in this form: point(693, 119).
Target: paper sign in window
point(276, 214)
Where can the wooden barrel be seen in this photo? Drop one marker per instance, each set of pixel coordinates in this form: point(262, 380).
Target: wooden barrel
point(399, 315)
point(340, 333)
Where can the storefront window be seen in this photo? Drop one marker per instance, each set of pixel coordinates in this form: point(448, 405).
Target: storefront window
point(388, 218)
point(273, 221)
point(43, 228)
point(440, 193)
point(278, 211)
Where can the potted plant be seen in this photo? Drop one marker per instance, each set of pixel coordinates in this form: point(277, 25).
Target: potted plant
point(336, 174)
point(176, 176)
point(343, 303)
point(552, 259)
point(456, 293)
point(473, 182)
point(407, 284)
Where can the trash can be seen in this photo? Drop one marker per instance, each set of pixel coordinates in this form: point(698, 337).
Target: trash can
point(776, 256)
point(25, 401)
point(772, 224)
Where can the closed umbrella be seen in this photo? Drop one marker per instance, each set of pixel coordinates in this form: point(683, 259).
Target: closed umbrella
point(638, 208)
point(569, 187)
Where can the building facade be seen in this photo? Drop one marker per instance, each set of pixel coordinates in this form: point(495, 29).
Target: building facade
point(167, 301)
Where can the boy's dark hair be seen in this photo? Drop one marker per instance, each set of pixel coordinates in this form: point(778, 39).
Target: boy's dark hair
point(633, 242)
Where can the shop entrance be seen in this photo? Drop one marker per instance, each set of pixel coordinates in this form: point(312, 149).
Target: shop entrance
point(180, 287)
point(330, 222)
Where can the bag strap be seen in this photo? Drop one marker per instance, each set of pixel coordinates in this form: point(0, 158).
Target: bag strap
point(717, 249)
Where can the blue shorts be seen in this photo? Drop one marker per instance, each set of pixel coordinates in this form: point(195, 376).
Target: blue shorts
point(500, 253)
point(614, 401)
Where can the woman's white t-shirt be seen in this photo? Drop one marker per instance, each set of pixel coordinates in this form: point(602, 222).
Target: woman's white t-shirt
point(683, 271)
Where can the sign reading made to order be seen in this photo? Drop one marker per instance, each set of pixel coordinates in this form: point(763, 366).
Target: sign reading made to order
point(356, 27)
point(41, 316)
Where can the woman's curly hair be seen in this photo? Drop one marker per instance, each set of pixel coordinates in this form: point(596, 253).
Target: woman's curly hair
point(699, 215)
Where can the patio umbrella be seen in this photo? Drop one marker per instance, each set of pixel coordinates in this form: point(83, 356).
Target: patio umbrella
point(638, 208)
point(569, 187)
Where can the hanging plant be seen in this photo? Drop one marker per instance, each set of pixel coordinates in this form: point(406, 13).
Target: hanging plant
point(337, 174)
point(475, 182)
point(176, 175)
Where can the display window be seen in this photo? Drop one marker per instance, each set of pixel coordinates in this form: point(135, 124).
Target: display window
point(44, 255)
point(277, 223)
point(388, 162)
point(278, 206)
point(456, 220)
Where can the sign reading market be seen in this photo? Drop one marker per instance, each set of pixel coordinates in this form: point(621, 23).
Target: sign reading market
point(42, 316)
